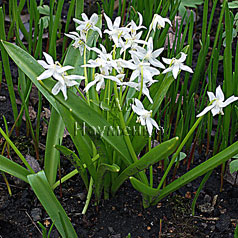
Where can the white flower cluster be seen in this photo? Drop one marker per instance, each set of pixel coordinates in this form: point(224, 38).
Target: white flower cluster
point(143, 62)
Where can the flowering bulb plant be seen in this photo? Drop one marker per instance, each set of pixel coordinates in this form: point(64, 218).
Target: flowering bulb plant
point(112, 117)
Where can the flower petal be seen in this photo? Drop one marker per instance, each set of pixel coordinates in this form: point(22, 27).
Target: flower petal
point(109, 22)
point(48, 58)
point(217, 110)
point(84, 17)
point(94, 18)
point(139, 104)
point(211, 96)
point(55, 90)
point(64, 68)
point(46, 74)
point(43, 64)
point(219, 94)
point(167, 61)
point(149, 126)
point(175, 71)
point(157, 53)
point(229, 100)
point(182, 58)
point(186, 68)
point(207, 109)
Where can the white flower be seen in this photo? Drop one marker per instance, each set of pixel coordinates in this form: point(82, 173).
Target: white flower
point(79, 41)
point(53, 69)
point(88, 24)
point(176, 64)
point(131, 41)
point(139, 68)
point(115, 31)
point(134, 27)
point(217, 102)
point(137, 86)
point(159, 22)
point(104, 61)
point(148, 55)
point(67, 82)
point(144, 116)
point(99, 80)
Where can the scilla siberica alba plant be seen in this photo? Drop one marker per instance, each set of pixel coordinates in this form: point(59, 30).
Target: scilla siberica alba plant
point(112, 120)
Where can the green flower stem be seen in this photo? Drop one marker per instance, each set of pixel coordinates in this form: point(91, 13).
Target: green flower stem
point(65, 178)
point(16, 150)
point(80, 93)
point(141, 84)
point(90, 190)
point(85, 69)
point(178, 151)
point(151, 167)
point(139, 97)
point(72, 173)
point(123, 125)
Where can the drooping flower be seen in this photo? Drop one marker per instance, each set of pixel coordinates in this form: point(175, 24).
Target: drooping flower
point(104, 61)
point(144, 116)
point(176, 64)
point(100, 83)
point(68, 81)
point(134, 28)
point(140, 68)
point(159, 22)
point(88, 24)
point(148, 55)
point(79, 41)
point(131, 41)
point(114, 30)
point(217, 102)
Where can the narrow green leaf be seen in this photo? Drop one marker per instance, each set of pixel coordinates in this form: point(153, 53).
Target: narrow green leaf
point(54, 137)
point(43, 191)
point(158, 153)
point(200, 170)
point(13, 168)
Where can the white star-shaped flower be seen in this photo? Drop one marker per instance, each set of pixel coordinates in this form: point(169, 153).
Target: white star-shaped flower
point(88, 24)
point(134, 28)
point(140, 68)
point(53, 69)
point(68, 81)
point(176, 64)
point(79, 41)
point(148, 55)
point(144, 116)
point(104, 61)
point(159, 22)
point(217, 102)
point(114, 30)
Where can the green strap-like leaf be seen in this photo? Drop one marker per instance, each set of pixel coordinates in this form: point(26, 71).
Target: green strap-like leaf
point(156, 154)
point(201, 169)
point(13, 168)
point(43, 191)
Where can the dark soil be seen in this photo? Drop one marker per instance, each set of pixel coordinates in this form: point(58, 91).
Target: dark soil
point(216, 212)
